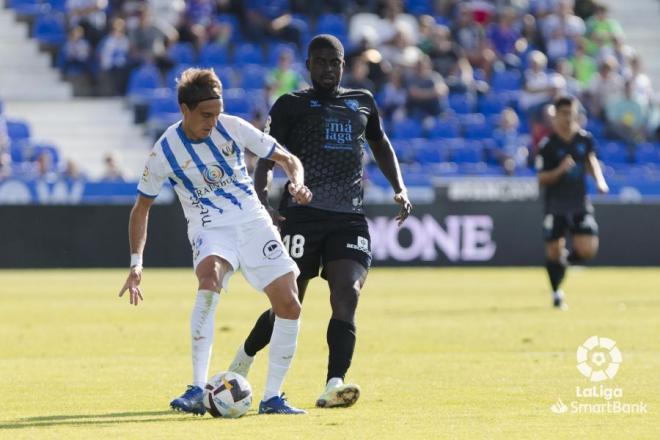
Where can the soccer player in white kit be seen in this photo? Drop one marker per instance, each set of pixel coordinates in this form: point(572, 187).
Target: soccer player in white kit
point(202, 156)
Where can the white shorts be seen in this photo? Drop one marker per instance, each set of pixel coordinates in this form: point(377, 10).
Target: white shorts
point(255, 247)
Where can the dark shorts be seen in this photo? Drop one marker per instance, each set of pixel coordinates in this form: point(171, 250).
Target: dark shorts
point(555, 226)
point(314, 237)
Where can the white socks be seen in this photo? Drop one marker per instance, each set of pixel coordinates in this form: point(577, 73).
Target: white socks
point(201, 330)
point(282, 348)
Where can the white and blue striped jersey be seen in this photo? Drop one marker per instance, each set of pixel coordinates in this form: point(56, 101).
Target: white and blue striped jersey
point(209, 176)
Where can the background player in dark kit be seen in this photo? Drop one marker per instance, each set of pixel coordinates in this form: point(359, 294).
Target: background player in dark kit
point(564, 160)
point(327, 127)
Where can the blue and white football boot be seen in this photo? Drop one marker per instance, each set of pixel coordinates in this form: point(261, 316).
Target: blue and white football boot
point(190, 401)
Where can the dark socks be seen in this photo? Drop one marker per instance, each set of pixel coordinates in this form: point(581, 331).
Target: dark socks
point(574, 257)
point(556, 272)
point(341, 344)
point(260, 335)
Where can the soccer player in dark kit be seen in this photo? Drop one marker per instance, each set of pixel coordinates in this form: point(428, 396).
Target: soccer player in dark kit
point(564, 160)
point(327, 127)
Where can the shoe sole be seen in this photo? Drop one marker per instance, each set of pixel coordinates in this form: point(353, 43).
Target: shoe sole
point(345, 398)
point(193, 412)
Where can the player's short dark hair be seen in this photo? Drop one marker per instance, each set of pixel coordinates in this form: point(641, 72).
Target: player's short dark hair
point(197, 85)
point(325, 41)
point(564, 101)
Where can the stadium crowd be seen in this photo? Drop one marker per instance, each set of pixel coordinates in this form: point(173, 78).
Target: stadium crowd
point(464, 86)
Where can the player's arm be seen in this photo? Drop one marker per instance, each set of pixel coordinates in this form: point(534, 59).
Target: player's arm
point(137, 236)
point(263, 176)
point(550, 177)
point(387, 162)
point(295, 172)
point(593, 166)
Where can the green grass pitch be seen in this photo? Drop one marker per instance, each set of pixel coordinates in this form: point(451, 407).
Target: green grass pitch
point(441, 353)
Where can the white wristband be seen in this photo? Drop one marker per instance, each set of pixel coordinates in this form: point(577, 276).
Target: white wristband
point(136, 260)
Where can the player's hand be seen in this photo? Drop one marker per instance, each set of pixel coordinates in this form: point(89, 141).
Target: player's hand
point(300, 193)
point(406, 207)
point(132, 285)
point(275, 216)
point(602, 187)
point(567, 163)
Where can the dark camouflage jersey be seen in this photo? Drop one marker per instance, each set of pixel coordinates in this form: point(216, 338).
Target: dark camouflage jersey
point(569, 193)
point(328, 133)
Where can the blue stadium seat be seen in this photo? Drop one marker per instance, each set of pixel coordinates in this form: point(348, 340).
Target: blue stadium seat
point(18, 130)
point(174, 74)
point(29, 8)
point(492, 103)
point(57, 5)
point(143, 82)
point(596, 127)
point(333, 24)
point(252, 76)
point(227, 76)
point(163, 108)
point(648, 153)
point(407, 128)
point(50, 29)
point(614, 153)
point(460, 103)
point(236, 101)
point(477, 129)
point(248, 53)
point(506, 80)
point(214, 54)
point(182, 53)
point(38, 149)
point(431, 151)
point(445, 128)
point(466, 151)
point(419, 7)
point(275, 50)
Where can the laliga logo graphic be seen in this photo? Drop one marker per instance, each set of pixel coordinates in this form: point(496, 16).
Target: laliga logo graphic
point(598, 358)
point(213, 174)
point(559, 407)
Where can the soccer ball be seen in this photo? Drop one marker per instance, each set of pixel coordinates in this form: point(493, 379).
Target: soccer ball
point(227, 394)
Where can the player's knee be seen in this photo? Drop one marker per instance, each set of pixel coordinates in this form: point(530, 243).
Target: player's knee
point(344, 300)
point(209, 282)
point(553, 253)
point(288, 308)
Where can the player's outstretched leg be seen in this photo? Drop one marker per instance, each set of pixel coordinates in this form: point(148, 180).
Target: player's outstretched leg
point(259, 337)
point(345, 278)
point(284, 300)
point(556, 267)
point(209, 273)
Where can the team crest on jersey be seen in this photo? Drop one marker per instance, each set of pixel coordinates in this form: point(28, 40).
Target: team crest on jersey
point(145, 175)
point(227, 148)
point(580, 148)
point(313, 103)
point(353, 104)
point(213, 174)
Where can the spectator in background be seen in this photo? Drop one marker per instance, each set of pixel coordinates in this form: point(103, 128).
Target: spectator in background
point(4, 132)
point(450, 61)
point(5, 165)
point(149, 40)
point(503, 37)
point(584, 67)
point(540, 87)
point(400, 50)
point(627, 118)
point(358, 76)
point(426, 90)
point(531, 37)
point(511, 147)
point(272, 19)
point(470, 36)
point(90, 15)
point(393, 97)
point(565, 69)
point(642, 90)
point(44, 168)
point(565, 20)
point(113, 60)
point(606, 87)
point(601, 26)
point(112, 172)
point(76, 61)
point(72, 171)
point(283, 79)
point(558, 46)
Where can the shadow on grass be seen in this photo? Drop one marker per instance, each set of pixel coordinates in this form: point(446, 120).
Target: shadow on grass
point(103, 419)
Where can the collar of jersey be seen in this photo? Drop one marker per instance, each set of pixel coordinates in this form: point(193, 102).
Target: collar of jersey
point(319, 94)
point(182, 133)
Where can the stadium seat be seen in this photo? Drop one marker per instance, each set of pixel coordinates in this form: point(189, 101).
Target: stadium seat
point(252, 76)
point(614, 153)
point(248, 53)
point(274, 51)
point(478, 128)
point(143, 83)
point(50, 29)
point(174, 74)
point(57, 5)
point(29, 8)
point(214, 54)
point(432, 151)
point(236, 101)
point(460, 103)
point(648, 153)
point(163, 109)
point(492, 103)
point(18, 130)
point(333, 24)
point(445, 128)
point(419, 7)
point(506, 80)
point(466, 151)
point(182, 53)
point(407, 128)
point(50, 149)
point(227, 76)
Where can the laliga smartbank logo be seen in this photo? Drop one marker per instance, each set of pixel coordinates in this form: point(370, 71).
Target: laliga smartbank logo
point(598, 359)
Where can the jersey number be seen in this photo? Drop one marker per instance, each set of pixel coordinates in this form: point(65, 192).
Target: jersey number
point(294, 245)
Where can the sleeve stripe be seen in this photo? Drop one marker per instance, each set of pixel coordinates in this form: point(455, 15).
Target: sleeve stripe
point(149, 196)
point(272, 150)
